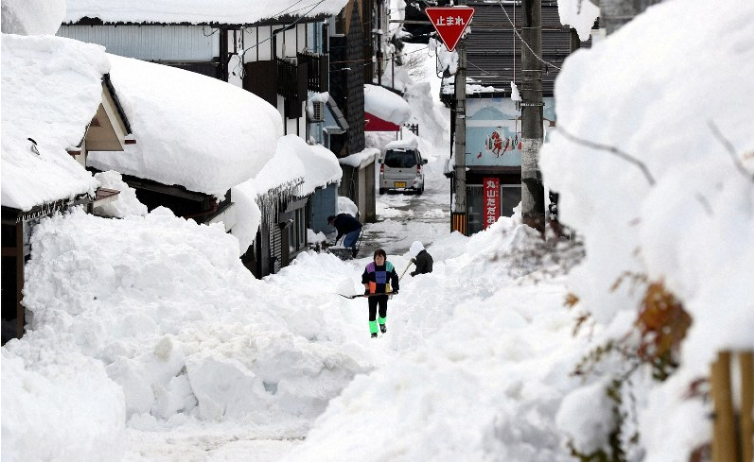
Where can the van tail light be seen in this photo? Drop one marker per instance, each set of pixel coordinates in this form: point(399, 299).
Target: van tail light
point(418, 169)
point(382, 168)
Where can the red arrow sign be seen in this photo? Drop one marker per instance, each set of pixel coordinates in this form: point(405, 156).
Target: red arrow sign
point(450, 22)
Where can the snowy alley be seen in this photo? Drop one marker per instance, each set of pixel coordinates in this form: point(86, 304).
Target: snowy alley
point(149, 340)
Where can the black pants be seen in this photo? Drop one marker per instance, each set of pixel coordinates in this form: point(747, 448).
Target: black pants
point(380, 300)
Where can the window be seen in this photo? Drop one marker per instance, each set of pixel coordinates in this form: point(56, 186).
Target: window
point(292, 245)
point(474, 208)
point(297, 231)
point(318, 113)
point(301, 227)
point(401, 159)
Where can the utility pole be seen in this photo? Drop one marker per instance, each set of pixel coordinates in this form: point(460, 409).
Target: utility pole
point(379, 44)
point(616, 13)
point(532, 133)
point(460, 218)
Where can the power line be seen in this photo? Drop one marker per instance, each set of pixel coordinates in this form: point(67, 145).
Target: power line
point(524, 41)
point(291, 6)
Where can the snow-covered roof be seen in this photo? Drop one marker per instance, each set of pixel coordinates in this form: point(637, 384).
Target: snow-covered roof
point(198, 11)
point(385, 104)
point(32, 17)
point(360, 159)
point(51, 88)
point(191, 130)
point(321, 167)
point(283, 171)
point(297, 169)
point(298, 165)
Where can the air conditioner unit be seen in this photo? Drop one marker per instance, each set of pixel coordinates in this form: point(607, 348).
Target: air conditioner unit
point(318, 111)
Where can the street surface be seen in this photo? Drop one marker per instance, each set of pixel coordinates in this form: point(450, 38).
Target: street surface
point(405, 218)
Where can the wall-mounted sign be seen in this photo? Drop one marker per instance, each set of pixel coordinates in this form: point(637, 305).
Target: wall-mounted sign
point(493, 131)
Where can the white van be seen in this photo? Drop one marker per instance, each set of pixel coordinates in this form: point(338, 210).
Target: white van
point(401, 167)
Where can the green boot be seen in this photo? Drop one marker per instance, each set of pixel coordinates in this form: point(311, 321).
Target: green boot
point(373, 328)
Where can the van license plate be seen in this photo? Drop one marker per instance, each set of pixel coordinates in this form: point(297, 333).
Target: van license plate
point(400, 184)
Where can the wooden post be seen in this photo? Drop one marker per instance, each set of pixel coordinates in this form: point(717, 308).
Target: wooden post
point(724, 435)
point(746, 362)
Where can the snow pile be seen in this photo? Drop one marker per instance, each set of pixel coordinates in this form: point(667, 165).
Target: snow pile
point(127, 203)
point(246, 214)
point(405, 144)
point(32, 17)
point(674, 206)
point(51, 90)
point(579, 14)
point(198, 11)
point(477, 365)
point(209, 150)
point(385, 104)
point(177, 322)
point(475, 362)
point(63, 405)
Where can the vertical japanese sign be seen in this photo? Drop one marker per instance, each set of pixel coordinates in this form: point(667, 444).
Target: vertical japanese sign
point(491, 200)
point(450, 22)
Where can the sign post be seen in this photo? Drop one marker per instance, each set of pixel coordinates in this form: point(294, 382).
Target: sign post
point(450, 23)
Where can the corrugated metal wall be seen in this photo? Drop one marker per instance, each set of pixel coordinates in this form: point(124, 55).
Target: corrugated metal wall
point(151, 43)
point(494, 51)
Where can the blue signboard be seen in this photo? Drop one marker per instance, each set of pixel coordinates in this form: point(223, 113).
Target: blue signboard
point(493, 131)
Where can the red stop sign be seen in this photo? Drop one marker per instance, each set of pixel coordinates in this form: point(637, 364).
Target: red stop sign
point(450, 22)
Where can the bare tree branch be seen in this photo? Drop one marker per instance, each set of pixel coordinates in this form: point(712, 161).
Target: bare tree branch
point(731, 150)
point(612, 150)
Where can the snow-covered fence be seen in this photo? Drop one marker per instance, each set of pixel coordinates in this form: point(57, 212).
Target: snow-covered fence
point(413, 127)
point(733, 428)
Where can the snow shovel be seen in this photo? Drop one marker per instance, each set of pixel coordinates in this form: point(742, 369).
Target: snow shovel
point(351, 297)
point(411, 262)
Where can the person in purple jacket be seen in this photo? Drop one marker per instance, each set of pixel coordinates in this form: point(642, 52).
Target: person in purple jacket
point(379, 277)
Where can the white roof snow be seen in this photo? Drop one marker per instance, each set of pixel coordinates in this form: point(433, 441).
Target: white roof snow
point(385, 104)
point(32, 17)
point(51, 88)
point(321, 167)
point(191, 130)
point(296, 165)
point(198, 11)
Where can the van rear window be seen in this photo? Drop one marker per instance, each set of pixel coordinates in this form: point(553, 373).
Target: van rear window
point(400, 159)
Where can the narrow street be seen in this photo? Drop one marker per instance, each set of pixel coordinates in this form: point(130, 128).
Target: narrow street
point(405, 218)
